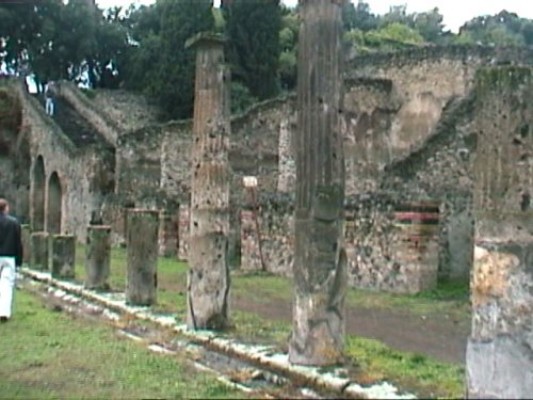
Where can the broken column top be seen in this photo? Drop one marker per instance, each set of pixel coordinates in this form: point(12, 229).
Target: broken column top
point(205, 39)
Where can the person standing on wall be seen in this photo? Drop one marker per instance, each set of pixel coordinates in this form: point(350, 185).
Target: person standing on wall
point(10, 258)
point(50, 97)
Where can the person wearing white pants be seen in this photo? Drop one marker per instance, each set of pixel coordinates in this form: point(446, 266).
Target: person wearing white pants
point(10, 259)
point(7, 287)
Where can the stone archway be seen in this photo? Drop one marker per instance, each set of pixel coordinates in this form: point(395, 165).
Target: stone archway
point(22, 176)
point(55, 201)
point(38, 195)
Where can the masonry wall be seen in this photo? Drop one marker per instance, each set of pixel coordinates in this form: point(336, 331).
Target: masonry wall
point(407, 127)
point(129, 111)
point(99, 120)
point(15, 159)
point(276, 230)
point(382, 254)
point(83, 172)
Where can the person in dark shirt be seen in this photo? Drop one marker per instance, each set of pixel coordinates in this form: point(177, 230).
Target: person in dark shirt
point(10, 258)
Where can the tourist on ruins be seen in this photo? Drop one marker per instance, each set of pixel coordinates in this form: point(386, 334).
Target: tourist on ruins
point(10, 258)
point(50, 96)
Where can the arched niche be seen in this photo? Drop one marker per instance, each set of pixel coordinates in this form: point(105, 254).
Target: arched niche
point(55, 202)
point(38, 195)
point(22, 176)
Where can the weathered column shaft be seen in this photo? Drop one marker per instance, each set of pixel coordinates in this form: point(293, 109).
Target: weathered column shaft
point(97, 257)
point(63, 257)
point(26, 244)
point(500, 349)
point(320, 272)
point(168, 233)
point(184, 231)
point(286, 166)
point(40, 243)
point(208, 278)
point(141, 280)
point(250, 258)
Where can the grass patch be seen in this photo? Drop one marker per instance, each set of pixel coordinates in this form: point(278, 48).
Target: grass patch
point(45, 355)
point(448, 297)
point(424, 376)
point(91, 94)
point(430, 379)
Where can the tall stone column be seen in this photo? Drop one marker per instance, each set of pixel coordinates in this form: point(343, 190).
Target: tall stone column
point(286, 167)
point(141, 281)
point(63, 257)
point(499, 355)
point(320, 272)
point(208, 279)
point(97, 257)
point(40, 243)
point(184, 231)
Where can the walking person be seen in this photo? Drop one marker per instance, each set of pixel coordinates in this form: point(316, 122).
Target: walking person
point(10, 258)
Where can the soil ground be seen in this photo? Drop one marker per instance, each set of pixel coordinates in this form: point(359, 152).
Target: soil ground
point(436, 335)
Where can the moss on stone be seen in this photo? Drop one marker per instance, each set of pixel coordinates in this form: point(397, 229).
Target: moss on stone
point(503, 77)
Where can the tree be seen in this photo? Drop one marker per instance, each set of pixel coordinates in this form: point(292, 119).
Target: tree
point(397, 14)
point(359, 17)
point(159, 64)
point(288, 40)
point(502, 29)
point(429, 25)
point(55, 40)
point(253, 28)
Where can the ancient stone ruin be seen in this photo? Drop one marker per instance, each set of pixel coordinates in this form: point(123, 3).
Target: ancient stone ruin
point(208, 279)
point(499, 350)
point(438, 179)
point(319, 256)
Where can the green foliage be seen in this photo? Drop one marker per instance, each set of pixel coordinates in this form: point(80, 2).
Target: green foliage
point(502, 29)
point(253, 29)
point(57, 40)
point(288, 40)
point(241, 99)
point(433, 379)
point(390, 37)
point(430, 25)
point(160, 65)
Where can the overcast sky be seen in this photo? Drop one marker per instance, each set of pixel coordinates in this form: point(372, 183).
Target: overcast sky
point(455, 12)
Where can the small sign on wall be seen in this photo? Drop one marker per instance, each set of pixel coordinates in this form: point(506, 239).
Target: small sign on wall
point(249, 181)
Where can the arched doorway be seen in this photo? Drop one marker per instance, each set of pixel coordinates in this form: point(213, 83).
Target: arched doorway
point(39, 179)
point(55, 200)
point(22, 176)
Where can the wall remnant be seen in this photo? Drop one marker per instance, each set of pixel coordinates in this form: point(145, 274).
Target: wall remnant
point(499, 352)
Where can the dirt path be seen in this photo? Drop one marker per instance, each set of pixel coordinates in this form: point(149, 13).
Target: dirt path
point(434, 335)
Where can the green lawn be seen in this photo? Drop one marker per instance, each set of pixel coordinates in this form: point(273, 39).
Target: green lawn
point(450, 298)
point(427, 376)
point(45, 355)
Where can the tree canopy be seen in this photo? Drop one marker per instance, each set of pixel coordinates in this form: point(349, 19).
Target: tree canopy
point(142, 48)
